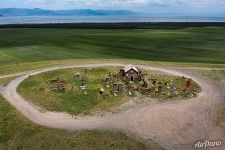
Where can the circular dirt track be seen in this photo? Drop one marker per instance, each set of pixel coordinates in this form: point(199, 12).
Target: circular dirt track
point(169, 123)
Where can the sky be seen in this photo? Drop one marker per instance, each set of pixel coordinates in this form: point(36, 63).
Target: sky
point(170, 7)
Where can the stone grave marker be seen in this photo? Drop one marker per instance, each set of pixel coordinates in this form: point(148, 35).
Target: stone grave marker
point(154, 82)
point(115, 87)
point(188, 92)
point(107, 80)
point(85, 71)
point(160, 88)
point(120, 87)
point(77, 75)
point(101, 92)
point(188, 84)
point(174, 88)
point(82, 86)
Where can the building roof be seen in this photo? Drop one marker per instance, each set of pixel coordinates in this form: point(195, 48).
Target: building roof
point(130, 67)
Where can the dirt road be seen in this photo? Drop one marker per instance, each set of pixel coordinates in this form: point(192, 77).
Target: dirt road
point(169, 123)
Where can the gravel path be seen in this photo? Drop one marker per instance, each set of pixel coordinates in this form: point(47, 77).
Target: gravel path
point(169, 123)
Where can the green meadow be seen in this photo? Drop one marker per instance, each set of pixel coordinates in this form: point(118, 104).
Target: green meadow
point(72, 100)
point(195, 45)
point(17, 133)
point(26, 49)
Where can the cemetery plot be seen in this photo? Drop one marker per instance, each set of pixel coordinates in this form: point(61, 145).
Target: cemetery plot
point(83, 90)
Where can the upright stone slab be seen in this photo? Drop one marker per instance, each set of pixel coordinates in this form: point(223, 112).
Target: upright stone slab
point(160, 88)
point(107, 80)
point(115, 87)
point(120, 87)
point(188, 84)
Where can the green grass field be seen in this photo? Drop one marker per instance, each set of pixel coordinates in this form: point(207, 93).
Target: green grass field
point(26, 49)
point(73, 100)
point(17, 133)
point(195, 45)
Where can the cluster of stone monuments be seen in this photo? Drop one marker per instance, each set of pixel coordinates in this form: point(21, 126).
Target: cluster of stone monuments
point(128, 80)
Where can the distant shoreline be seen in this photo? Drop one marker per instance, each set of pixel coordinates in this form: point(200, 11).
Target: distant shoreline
point(122, 25)
point(103, 19)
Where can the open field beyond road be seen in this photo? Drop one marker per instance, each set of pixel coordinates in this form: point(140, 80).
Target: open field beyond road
point(195, 45)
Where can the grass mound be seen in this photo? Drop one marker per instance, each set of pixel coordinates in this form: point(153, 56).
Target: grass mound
point(74, 100)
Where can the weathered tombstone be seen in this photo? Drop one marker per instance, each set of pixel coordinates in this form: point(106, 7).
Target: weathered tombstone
point(77, 75)
point(195, 94)
point(107, 80)
point(141, 82)
point(115, 87)
point(174, 88)
point(188, 92)
point(160, 88)
point(82, 86)
point(156, 89)
point(154, 82)
point(122, 73)
point(145, 84)
point(188, 84)
point(147, 90)
point(82, 81)
point(153, 88)
point(101, 92)
point(120, 87)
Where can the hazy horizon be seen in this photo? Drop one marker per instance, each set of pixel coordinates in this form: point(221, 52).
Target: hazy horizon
point(137, 13)
point(160, 7)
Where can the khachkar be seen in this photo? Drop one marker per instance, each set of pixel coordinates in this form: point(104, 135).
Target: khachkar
point(187, 88)
point(128, 81)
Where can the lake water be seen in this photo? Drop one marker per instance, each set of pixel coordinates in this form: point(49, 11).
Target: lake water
point(106, 19)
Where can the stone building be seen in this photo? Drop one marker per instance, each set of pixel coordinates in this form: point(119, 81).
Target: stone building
point(131, 72)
